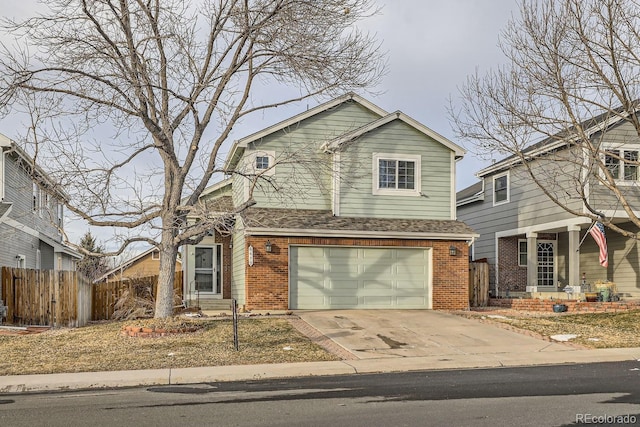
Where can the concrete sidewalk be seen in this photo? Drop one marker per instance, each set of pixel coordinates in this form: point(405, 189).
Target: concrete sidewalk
point(99, 380)
point(376, 341)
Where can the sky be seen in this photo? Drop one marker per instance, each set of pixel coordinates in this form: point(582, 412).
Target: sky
point(432, 46)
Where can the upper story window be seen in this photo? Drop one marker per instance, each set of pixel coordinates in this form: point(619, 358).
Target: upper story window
point(500, 189)
point(155, 255)
point(395, 174)
point(622, 164)
point(36, 197)
point(262, 162)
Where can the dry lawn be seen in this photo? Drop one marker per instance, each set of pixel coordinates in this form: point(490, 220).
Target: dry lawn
point(594, 330)
point(102, 347)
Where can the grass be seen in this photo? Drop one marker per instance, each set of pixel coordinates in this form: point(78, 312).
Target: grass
point(102, 347)
point(594, 330)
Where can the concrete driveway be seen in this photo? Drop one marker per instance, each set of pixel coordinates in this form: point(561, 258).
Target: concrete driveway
point(370, 334)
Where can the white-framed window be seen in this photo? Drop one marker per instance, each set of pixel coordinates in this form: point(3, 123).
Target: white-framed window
point(36, 198)
point(622, 164)
point(501, 189)
point(155, 255)
point(262, 162)
point(522, 252)
point(396, 174)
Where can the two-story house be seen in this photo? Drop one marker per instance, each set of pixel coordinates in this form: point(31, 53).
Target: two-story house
point(534, 245)
point(355, 208)
point(31, 214)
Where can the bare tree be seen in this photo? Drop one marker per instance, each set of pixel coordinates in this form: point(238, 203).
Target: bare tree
point(572, 70)
point(116, 87)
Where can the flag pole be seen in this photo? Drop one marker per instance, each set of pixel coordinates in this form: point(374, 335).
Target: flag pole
point(586, 234)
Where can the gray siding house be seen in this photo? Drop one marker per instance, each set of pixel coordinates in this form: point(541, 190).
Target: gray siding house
point(532, 244)
point(354, 208)
point(31, 215)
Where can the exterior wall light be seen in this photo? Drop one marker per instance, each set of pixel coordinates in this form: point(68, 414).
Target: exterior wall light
point(453, 251)
point(267, 246)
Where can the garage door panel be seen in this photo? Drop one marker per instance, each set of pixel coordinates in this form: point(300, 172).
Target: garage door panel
point(343, 268)
point(377, 269)
point(380, 301)
point(343, 300)
point(359, 277)
point(349, 285)
point(377, 284)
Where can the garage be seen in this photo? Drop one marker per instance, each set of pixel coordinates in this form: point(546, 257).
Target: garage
point(337, 277)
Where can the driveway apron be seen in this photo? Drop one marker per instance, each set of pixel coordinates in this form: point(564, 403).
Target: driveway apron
point(372, 334)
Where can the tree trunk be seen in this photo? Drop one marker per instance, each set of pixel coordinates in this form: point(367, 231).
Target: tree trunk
point(166, 277)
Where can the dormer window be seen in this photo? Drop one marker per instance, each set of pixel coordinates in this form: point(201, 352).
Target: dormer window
point(501, 189)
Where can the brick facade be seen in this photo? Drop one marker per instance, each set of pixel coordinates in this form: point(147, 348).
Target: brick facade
point(573, 306)
point(227, 261)
point(267, 281)
point(512, 277)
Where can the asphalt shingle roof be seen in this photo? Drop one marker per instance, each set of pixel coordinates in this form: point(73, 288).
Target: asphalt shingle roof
point(307, 219)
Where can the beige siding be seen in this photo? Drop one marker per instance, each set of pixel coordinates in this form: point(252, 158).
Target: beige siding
point(302, 177)
point(624, 259)
point(357, 169)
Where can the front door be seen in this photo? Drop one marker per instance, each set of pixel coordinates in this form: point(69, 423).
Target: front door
point(208, 269)
point(546, 263)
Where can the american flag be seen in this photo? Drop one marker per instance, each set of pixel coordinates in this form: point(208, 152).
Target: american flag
point(597, 232)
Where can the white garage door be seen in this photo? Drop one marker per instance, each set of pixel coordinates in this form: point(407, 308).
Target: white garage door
point(349, 277)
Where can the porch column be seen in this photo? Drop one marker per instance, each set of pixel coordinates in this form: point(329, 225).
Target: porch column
point(574, 255)
point(532, 259)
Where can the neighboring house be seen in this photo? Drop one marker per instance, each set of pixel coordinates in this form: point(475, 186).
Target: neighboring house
point(358, 212)
point(534, 245)
point(31, 214)
point(144, 264)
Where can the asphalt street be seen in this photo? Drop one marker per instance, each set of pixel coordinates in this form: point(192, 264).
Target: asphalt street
point(607, 393)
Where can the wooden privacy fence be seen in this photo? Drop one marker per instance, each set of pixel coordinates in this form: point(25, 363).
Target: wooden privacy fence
point(106, 294)
point(46, 297)
point(478, 284)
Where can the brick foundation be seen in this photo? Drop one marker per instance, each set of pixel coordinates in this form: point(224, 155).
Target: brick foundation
point(267, 281)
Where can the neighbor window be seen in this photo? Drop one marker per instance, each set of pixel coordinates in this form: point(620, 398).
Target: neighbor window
point(501, 189)
point(155, 255)
point(36, 197)
point(395, 174)
point(622, 164)
point(522, 253)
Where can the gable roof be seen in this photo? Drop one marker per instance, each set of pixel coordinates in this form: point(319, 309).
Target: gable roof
point(9, 146)
point(593, 125)
point(309, 222)
point(238, 146)
point(128, 263)
point(470, 194)
point(398, 115)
